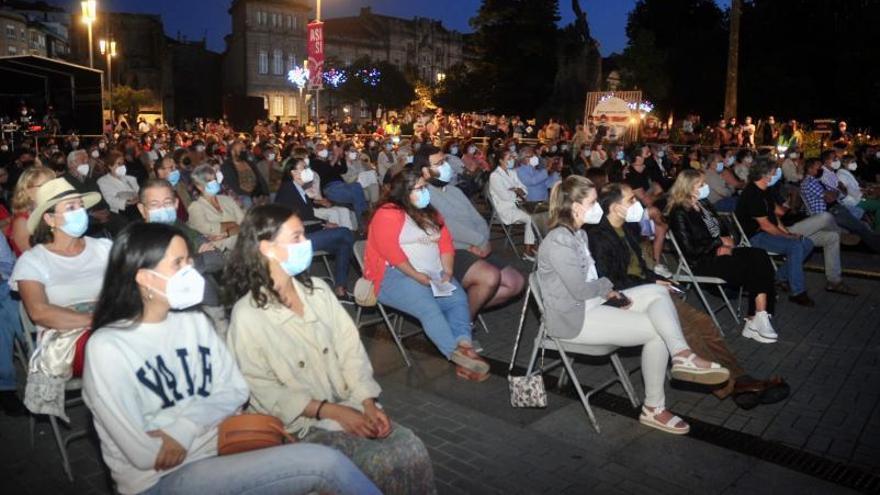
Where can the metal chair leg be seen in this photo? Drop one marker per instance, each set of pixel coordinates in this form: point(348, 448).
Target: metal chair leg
point(625, 382)
point(585, 401)
point(392, 329)
point(62, 447)
point(483, 323)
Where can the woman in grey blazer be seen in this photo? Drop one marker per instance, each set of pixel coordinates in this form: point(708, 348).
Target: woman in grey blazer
point(585, 309)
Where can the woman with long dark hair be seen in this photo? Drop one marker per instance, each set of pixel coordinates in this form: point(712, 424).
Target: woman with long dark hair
point(303, 358)
point(409, 256)
point(158, 381)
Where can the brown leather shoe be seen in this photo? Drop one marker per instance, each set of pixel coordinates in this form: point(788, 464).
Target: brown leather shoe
point(802, 299)
point(841, 288)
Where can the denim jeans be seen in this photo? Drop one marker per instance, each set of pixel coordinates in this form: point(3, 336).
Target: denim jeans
point(11, 328)
point(795, 251)
point(300, 468)
point(446, 320)
point(351, 194)
point(338, 242)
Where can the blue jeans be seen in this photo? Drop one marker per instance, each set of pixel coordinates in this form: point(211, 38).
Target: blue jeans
point(11, 328)
point(287, 469)
point(727, 205)
point(796, 252)
point(349, 194)
point(446, 320)
point(338, 242)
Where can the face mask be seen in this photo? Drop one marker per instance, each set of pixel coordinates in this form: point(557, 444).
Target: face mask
point(389, 146)
point(102, 145)
point(409, 159)
point(473, 149)
point(167, 215)
point(510, 164)
point(4, 148)
point(445, 172)
point(417, 146)
point(703, 192)
point(776, 176)
point(270, 157)
point(553, 149)
point(719, 167)
point(877, 155)
point(213, 188)
point(852, 166)
point(218, 176)
point(453, 150)
point(512, 148)
point(423, 200)
point(747, 159)
point(174, 177)
point(352, 155)
point(619, 155)
point(835, 164)
point(323, 153)
point(83, 169)
point(729, 160)
point(95, 154)
point(793, 156)
point(200, 148)
point(120, 171)
point(307, 175)
point(661, 154)
point(74, 144)
point(76, 222)
point(299, 258)
point(564, 147)
point(635, 212)
point(593, 215)
point(184, 289)
point(534, 161)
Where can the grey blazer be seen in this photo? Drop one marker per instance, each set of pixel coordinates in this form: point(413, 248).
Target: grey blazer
point(563, 264)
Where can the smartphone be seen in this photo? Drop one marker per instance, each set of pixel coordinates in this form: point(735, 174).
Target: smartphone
point(618, 302)
point(676, 289)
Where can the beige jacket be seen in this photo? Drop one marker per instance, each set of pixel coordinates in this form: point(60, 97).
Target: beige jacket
point(206, 220)
point(288, 361)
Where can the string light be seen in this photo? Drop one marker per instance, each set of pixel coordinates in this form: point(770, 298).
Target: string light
point(299, 76)
point(335, 77)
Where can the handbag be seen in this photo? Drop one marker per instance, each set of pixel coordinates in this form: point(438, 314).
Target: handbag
point(246, 432)
point(528, 390)
point(364, 293)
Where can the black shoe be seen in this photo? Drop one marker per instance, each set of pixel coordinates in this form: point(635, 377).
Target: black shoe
point(11, 404)
point(346, 298)
point(802, 299)
point(782, 286)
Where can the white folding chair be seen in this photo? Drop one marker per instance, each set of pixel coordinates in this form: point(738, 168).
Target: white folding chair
point(30, 332)
point(684, 275)
point(744, 241)
point(325, 257)
point(495, 219)
point(545, 341)
point(394, 329)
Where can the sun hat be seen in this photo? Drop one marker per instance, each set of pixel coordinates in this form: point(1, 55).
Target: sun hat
point(53, 192)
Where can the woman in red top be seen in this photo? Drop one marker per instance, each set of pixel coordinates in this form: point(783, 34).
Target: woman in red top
point(22, 206)
point(409, 259)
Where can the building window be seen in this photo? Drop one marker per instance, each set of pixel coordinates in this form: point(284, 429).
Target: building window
point(21, 34)
point(277, 105)
point(291, 62)
point(295, 23)
point(12, 50)
point(277, 62)
point(265, 102)
point(10, 31)
point(293, 107)
point(264, 62)
point(262, 18)
point(289, 19)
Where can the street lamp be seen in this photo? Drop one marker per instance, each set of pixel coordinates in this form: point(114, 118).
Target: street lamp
point(108, 49)
point(89, 15)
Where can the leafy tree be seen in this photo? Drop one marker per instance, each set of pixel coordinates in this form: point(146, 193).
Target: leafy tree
point(455, 92)
point(129, 101)
point(376, 83)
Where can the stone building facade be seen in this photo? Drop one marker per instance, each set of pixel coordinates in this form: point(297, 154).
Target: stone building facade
point(33, 29)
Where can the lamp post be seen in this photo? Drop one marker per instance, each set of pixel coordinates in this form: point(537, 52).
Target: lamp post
point(108, 49)
point(89, 15)
point(318, 91)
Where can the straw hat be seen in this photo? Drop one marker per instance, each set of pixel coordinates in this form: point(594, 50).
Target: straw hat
point(53, 192)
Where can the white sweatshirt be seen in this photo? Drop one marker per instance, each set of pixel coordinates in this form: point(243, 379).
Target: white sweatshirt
point(176, 376)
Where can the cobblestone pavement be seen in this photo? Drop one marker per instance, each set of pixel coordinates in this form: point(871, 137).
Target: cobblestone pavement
point(479, 444)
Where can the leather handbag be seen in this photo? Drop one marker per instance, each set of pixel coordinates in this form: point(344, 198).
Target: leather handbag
point(246, 432)
point(528, 390)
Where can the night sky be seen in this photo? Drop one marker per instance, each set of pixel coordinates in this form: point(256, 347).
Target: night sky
point(209, 18)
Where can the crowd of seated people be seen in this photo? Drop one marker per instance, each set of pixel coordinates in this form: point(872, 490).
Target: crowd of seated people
point(115, 238)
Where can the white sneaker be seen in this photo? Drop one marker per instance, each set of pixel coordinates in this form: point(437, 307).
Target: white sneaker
point(660, 269)
point(755, 329)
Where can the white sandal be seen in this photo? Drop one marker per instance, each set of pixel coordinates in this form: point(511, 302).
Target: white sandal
point(684, 369)
point(649, 418)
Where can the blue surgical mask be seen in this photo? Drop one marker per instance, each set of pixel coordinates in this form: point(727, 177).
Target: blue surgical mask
point(76, 222)
point(424, 199)
point(167, 215)
point(445, 172)
point(174, 177)
point(453, 150)
point(620, 155)
point(719, 167)
point(776, 176)
point(703, 192)
point(510, 164)
point(299, 258)
point(213, 188)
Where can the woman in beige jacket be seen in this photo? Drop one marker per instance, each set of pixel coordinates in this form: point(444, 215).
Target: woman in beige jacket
point(302, 357)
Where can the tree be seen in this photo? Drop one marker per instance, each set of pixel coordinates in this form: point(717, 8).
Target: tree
point(515, 41)
point(456, 92)
point(129, 101)
point(730, 91)
point(376, 83)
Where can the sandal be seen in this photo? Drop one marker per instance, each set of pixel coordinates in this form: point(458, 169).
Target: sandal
point(467, 358)
point(649, 418)
point(471, 376)
point(684, 369)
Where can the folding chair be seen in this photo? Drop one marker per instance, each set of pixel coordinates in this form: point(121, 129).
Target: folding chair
point(325, 257)
point(545, 341)
point(495, 219)
point(75, 384)
point(744, 241)
point(395, 329)
point(694, 281)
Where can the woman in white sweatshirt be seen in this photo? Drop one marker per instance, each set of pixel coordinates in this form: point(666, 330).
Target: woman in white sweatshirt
point(158, 383)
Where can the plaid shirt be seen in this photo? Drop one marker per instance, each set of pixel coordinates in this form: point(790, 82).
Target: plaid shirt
point(813, 192)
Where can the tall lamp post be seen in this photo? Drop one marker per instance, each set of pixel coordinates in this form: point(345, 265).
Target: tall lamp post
point(318, 91)
point(89, 15)
point(108, 49)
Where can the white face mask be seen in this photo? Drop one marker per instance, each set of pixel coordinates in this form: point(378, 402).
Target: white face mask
point(95, 154)
point(534, 161)
point(852, 166)
point(635, 212)
point(747, 159)
point(120, 171)
point(270, 156)
point(703, 192)
point(83, 169)
point(793, 156)
point(593, 215)
point(323, 153)
point(184, 289)
point(835, 164)
point(218, 176)
point(352, 155)
point(729, 160)
point(661, 154)
point(877, 155)
point(473, 149)
point(307, 175)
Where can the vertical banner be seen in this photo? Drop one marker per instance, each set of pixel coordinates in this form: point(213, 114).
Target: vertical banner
point(316, 54)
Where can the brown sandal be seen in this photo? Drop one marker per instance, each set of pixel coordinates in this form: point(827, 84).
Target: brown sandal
point(471, 376)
